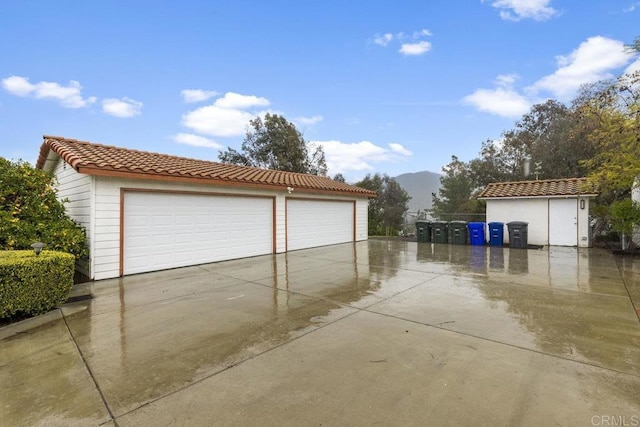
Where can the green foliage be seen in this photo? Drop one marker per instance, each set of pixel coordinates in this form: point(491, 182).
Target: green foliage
point(386, 212)
point(30, 211)
point(615, 111)
point(455, 199)
point(625, 214)
point(339, 177)
point(275, 143)
point(32, 285)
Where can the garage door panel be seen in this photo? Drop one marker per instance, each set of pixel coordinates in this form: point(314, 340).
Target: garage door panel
point(174, 230)
point(312, 223)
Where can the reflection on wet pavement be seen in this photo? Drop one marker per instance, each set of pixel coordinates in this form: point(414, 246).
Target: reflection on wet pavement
point(148, 336)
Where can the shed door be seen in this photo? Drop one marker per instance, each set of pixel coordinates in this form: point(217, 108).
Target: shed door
point(312, 223)
point(563, 222)
point(167, 230)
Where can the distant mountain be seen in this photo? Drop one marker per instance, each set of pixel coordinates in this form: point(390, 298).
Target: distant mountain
point(419, 185)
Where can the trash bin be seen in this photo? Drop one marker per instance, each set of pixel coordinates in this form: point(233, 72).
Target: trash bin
point(476, 233)
point(439, 232)
point(423, 231)
point(496, 233)
point(458, 231)
point(518, 234)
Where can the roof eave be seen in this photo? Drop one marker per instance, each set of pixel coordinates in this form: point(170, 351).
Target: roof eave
point(554, 196)
point(213, 181)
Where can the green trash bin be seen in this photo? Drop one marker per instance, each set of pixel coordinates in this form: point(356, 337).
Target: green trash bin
point(458, 230)
point(440, 232)
point(423, 231)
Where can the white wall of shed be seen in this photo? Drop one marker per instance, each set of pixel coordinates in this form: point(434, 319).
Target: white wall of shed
point(76, 188)
point(533, 211)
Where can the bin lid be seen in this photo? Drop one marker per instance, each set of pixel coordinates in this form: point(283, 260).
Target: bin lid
point(422, 222)
point(439, 222)
point(476, 225)
point(457, 222)
point(516, 223)
point(496, 224)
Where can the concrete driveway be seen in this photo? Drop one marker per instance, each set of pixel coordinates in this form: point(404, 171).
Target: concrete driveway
point(378, 332)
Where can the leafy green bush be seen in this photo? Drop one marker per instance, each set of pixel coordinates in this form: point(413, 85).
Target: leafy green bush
point(625, 214)
point(32, 285)
point(31, 212)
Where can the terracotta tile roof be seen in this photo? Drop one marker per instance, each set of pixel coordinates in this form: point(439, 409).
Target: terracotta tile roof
point(542, 188)
point(97, 159)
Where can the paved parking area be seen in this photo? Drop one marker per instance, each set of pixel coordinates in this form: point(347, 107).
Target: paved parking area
point(377, 332)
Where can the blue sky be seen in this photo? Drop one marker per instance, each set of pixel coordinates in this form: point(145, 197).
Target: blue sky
point(384, 86)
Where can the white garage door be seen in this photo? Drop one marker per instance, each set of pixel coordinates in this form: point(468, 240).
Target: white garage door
point(312, 223)
point(165, 230)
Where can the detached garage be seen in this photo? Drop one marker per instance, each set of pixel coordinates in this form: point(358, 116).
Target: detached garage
point(146, 211)
point(557, 210)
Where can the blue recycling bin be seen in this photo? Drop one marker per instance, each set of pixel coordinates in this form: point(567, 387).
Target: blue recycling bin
point(496, 233)
point(476, 233)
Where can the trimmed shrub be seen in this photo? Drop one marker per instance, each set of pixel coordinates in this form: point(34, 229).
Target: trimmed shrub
point(32, 285)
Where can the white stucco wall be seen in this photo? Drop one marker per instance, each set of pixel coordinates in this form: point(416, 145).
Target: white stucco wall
point(533, 211)
point(584, 225)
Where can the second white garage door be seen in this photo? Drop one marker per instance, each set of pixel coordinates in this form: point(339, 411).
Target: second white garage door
point(167, 230)
point(312, 223)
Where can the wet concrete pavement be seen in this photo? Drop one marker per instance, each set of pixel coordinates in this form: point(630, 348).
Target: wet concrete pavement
point(378, 332)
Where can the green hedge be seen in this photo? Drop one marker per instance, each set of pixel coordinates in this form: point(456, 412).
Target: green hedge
point(31, 285)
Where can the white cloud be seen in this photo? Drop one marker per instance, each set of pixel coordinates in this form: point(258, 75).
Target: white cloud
point(593, 60)
point(631, 7)
point(216, 121)
point(418, 48)
point(123, 108)
point(236, 101)
point(398, 148)
point(69, 96)
point(421, 33)
point(515, 10)
point(410, 44)
point(501, 101)
point(229, 115)
point(308, 120)
point(383, 40)
point(196, 141)
point(197, 95)
point(345, 157)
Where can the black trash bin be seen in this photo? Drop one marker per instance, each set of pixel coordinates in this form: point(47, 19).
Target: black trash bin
point(423, 231)
point(518, 234)
point(458, 230)
point(439, 232)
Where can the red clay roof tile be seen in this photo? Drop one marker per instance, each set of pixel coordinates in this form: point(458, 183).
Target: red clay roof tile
point(541, 188)
point(98, 159)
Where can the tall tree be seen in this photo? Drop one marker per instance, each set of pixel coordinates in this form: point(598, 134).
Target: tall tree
point(455, 200)
point(386, 212)
point(275, 143)
point(616, 111)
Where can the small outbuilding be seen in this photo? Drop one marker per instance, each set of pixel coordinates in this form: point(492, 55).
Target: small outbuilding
point(145, 211)
point(557, 210)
